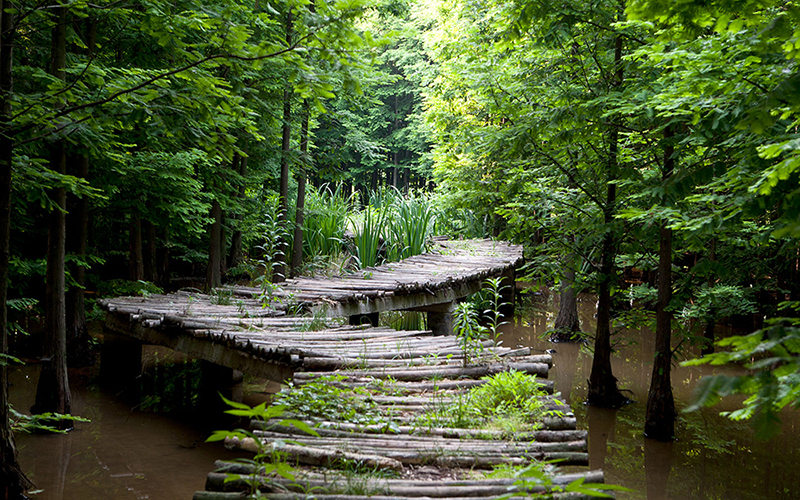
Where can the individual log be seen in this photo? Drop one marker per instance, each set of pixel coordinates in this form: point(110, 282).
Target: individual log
point(425, 373)
point(317, 456)
point(344, 429)
point(396, 488)
point(219, 495)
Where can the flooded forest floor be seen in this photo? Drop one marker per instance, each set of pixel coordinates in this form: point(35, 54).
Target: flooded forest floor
point(130, 452)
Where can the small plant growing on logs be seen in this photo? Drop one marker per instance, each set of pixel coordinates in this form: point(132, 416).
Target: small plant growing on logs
point(492, 303)
point(469, 331)
point(508, 401)
point(268, 462)
point(323, 398)
point(221, 296)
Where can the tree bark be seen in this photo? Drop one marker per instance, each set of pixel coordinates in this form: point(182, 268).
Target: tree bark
point(279, 270)
point(297, 241)
point(235, 256)
point(213, 276)
point(567, 322)
point(603, 389)
point(52, 392)
point(708, 333)
point(78, 352)
point(660, 418)
point(135, 252)
point(13, 482)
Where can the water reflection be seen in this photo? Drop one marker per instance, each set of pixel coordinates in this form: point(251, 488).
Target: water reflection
point(712, 456)
point(121, 454)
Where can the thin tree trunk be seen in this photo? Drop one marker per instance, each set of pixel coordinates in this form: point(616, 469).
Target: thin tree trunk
point(135, 252)
point(163, 264)
point(567, 322)
point(297, 242)
point(708, 333)
point(78, 352)
point(235, 258)
point(149, 259)
point(13, 482)
point(78, 345)
point(279, 271)
point(213, 277)
point(603, 389)
point(223, 268)
point(52, 392)
point(660, 418)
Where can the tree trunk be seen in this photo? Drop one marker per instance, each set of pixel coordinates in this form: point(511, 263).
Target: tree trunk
point(213, 276)
point(13, 482)
point(567, 322)
point(163, 259)
point(78, 352)
point(603, 389)
point(708, 333)
point(149, 246)
point(52, 392)
point(279, 270)
point(235, 256)
point(660, 418)
point(297, 242)
point(135, 252)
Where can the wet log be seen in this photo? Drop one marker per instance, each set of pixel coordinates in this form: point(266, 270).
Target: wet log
point(397, 488)
point(317, 456)
point(345, 429)
point(425, 373)
point(219, 495)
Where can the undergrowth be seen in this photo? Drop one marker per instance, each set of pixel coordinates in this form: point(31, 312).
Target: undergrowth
point(510, 401)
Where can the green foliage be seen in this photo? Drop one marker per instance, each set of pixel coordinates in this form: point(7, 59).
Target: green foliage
point(325, 221)
point(719, 301)
point(490, 301)
point(509, 393)
point(410, 226)
point(368, 236)
point(116, 288)
point(42, 422)
point(772, 357)
point(536, 475)
point(268, 460)
point(508, 401)
point(469, 331)
point(323, 398)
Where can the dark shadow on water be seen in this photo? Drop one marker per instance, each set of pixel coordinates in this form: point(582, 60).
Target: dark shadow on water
point(123, 453)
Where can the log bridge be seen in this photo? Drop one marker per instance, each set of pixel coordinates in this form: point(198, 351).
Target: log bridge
point(401, 375)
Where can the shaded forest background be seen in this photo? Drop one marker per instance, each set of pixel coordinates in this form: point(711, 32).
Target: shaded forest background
point(646, 152)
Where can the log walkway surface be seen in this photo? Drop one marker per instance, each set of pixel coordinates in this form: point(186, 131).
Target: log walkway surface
point(395, 390)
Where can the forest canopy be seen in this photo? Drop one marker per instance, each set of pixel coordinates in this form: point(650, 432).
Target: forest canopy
point(645, 150)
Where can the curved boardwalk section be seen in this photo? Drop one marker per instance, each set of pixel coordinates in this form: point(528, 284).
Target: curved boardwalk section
point(374, 412)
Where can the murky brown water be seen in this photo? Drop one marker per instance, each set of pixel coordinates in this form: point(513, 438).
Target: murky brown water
point(127, 454)
point(121, 454)
point(713, 458)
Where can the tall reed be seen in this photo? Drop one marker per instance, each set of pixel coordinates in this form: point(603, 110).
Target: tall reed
point(368, 235)
point(325, 221)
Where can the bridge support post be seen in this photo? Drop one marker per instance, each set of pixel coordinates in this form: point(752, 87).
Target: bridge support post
point(120, 360)
point(360, 319)
point(509, 294)
point(440, 317)
point(215, 380)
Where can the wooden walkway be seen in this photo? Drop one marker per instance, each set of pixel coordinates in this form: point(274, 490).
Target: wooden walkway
point(398, 433)
point(396, 379)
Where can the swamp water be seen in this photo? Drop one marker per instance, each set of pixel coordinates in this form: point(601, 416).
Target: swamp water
point(712, 458)
point(125, 453)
